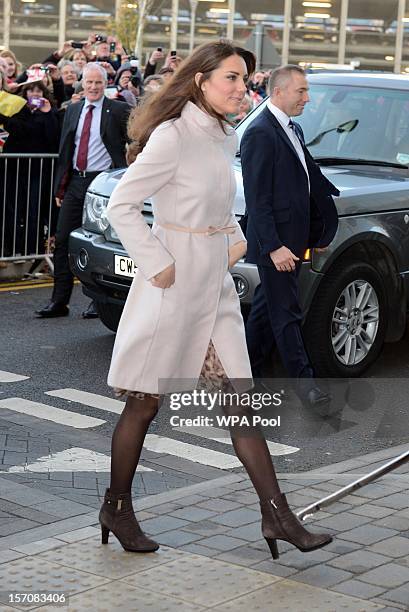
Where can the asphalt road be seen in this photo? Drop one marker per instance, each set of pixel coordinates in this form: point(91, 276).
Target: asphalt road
point(74, 353)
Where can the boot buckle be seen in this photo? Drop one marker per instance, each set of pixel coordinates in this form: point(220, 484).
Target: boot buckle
point(119, 504)
point(273, 504)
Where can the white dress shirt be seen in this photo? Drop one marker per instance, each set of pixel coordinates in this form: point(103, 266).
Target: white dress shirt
point(98, 156)
point(284, 121)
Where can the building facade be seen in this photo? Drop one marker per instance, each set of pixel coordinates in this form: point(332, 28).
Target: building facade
point(370, 34)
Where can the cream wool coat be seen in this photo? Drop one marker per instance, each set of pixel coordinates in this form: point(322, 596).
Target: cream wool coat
point(186, 167)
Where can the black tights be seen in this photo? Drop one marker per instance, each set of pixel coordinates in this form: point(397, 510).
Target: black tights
point(254, 454)
point(129, 436)
point(128, 439)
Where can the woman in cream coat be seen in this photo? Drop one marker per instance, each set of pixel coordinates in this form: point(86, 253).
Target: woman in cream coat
point(164, 334)
point(182, 318)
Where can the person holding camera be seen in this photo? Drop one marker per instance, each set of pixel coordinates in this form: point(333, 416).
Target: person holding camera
point(93, 140)
point(77, 52)
point(129, 83)
point(108, 50)
point(51, 78)
point(35, 129)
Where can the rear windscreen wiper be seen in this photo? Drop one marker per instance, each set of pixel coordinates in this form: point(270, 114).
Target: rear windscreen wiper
point(347, 161)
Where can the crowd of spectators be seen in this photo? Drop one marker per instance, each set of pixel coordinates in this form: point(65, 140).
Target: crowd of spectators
point(32, 113)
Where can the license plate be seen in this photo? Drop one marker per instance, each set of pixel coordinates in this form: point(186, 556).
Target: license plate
point(124, 266)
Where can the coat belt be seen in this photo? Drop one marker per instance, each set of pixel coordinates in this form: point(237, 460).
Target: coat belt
point(209, 231)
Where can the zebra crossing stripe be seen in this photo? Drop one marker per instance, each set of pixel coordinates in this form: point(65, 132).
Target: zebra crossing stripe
point(192, 452)
point(71, 460)
point(223, 436)
point(153, 442)
point(108, 404)
point(50, 413)
point(7, 377)
point(162, 444)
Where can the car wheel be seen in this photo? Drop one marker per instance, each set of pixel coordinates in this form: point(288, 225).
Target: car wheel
point(109, 315)
point(346, 323)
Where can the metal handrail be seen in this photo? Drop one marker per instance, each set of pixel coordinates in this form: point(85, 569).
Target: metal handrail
point(354, 486)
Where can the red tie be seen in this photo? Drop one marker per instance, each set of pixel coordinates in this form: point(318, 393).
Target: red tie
point(82, 156)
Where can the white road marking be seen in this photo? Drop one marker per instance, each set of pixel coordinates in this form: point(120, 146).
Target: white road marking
point(221, 435)
point(89, 399)
point(7, 377)
point(50, 413)
point(162, 444)
point(71, 460)
point(198, 454)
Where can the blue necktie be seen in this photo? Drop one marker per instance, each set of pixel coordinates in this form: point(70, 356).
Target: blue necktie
point(296, 129)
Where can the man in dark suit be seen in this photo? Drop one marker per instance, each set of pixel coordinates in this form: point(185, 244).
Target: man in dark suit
point(94, 136)
point(290, 208)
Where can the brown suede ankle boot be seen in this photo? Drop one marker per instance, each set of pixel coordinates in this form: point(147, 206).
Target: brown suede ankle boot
point(279, 523)
point(117, 515)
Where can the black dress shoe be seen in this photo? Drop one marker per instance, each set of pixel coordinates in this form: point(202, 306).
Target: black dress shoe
point(53, 309)
point(91, 312)
point(317, 397)
point(320, 402)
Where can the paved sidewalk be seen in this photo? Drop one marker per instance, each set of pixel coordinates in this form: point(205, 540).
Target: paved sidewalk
point(212, 555)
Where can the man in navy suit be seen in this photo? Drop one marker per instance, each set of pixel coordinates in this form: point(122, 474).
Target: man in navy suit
point(290, 208)
point(94, 137)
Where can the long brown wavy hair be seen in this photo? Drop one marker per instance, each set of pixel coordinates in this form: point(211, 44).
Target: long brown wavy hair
point(169, 101)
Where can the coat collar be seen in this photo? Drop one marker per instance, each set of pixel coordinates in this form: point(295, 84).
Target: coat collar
point(195, 115)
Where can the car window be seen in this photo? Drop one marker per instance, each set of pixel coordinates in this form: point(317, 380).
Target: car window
point(353, 122)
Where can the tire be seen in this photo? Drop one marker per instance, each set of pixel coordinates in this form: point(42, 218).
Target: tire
point(109, 315)
point(340, 345)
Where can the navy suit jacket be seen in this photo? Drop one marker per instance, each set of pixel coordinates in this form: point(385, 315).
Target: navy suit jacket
point(281, 209)
point(113, 129)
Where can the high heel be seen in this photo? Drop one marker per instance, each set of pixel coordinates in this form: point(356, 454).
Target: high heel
point(104, 534)
point(117, 515)
point(279, 523)
point(272, 544)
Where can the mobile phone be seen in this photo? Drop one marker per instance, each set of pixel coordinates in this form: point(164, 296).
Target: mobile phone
point(112, 47)
point(36, 102)
point(111, 92)
point(77, 45)
point(100, 38)
point(173, 53)
point(159, 49)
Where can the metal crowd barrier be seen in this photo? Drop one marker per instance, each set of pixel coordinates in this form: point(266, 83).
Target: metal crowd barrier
point(28, 212)
point(391, 465)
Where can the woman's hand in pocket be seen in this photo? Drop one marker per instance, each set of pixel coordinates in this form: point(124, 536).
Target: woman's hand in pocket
point(236, 252)
point(164, 279)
